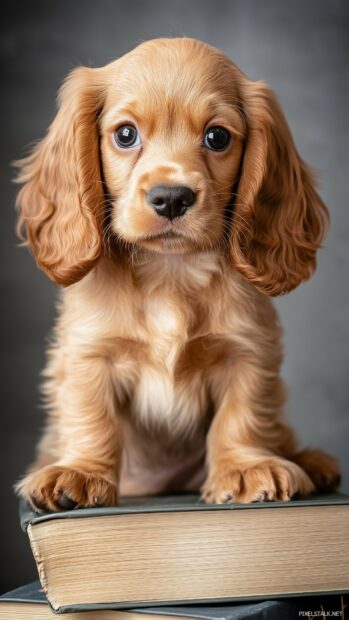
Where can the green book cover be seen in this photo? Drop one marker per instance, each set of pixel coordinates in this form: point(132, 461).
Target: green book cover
point(32, 595)
point(172, 503)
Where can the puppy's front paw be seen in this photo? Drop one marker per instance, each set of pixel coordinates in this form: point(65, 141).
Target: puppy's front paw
point(272, 479)
point(60, 488)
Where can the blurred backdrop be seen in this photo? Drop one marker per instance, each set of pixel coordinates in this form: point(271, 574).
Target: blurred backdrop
point(301, 49)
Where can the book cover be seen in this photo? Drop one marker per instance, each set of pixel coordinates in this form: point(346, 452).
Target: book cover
point(172, 503)
point(29, 601)
point(177, 550)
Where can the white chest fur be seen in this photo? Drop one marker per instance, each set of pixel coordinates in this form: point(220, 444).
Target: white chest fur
point(159, 397)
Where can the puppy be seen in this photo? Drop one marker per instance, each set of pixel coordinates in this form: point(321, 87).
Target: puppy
point(169, 200)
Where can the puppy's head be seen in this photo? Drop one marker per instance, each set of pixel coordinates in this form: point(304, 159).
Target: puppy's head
point(178, 152)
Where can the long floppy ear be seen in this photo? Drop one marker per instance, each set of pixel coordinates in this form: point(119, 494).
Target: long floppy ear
point(60, 203)
point(280, 219)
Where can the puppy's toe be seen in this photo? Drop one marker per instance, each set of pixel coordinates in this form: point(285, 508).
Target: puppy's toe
point(224, 487)
point(37, 504)
point(66, 502)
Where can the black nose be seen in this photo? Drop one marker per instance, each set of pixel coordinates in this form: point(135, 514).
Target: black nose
point(170, 200)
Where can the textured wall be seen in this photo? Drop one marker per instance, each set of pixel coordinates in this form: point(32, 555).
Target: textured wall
point(301, 49)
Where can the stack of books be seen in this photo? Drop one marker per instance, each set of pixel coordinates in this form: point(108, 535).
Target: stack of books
point(176, 556)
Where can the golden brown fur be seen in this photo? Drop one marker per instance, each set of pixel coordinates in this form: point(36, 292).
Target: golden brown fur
point(164, 370)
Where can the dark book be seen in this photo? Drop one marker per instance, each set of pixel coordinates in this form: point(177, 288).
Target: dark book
point(29, 603)
point(164, 550)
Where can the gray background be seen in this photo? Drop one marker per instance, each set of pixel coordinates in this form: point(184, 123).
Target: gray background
point(301, 49)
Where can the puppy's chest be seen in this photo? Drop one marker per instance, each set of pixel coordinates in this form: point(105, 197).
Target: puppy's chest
point(171, 368)
point(168, 390)
point(158, 391)
point(166, 327)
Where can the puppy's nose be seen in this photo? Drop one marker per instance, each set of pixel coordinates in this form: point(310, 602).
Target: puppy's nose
point(170, 200)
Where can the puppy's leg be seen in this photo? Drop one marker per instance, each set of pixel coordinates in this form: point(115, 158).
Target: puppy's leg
point(248, 447)
point(320, 467)
point(88, 440)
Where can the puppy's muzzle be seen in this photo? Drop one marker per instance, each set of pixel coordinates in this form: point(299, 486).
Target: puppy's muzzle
point(170, 201)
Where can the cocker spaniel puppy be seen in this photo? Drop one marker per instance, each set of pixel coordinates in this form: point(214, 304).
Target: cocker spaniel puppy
point(169, 200)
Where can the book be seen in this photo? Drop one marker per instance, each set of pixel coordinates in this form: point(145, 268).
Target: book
point(176, 550)
point(29, 603)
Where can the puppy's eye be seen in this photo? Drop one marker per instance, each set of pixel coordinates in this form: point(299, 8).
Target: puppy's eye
point(217, 138)
point(126, 136)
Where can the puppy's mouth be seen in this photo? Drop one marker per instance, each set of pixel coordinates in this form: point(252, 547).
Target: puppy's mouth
point(169, 241)
point(166, 235)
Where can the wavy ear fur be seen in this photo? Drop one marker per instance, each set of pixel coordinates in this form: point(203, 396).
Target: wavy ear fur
point(60, 203)
point(280, 219)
